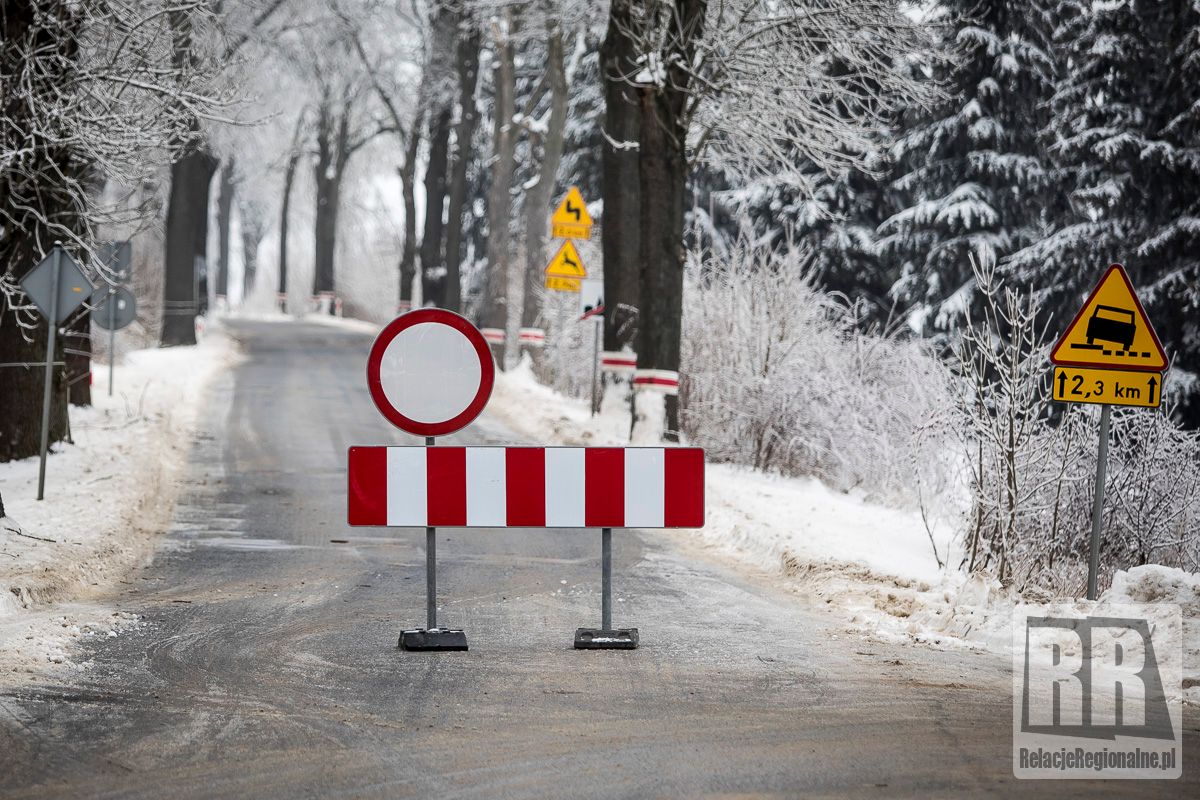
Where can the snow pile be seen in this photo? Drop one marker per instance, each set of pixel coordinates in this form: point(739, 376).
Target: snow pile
point(875, 564)
point(1156, 584)
point(107, 496)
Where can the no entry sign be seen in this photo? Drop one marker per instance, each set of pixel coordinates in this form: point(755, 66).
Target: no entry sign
point(430, 372)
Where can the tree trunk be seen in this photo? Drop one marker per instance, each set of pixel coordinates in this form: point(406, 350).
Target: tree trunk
point(186, 235)
point(252, 234)
point(495, 298)
point(620, 224)
point(538, 197)
point(432, 277)
point(38, 208)
point(187, 212)
point(224, 222)
point(408, 256)
point(289, 177)
point(78, 337)
point(464, 132)
point(21, 389)
point(664, 170)
point(325, 173)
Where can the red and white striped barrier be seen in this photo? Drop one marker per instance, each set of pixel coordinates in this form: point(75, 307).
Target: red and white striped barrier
point(493, 335)
point(620, 363)
point(657, 380)
point(532, 337)
point(527, 487)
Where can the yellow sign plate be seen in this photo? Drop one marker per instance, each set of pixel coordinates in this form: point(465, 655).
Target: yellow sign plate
point(560, 284)
point(1114, 387)
point(571, 219)
point(567, 263)
point(1111, 330)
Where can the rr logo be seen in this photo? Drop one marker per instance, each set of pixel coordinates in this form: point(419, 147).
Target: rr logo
point(1101, 675)
point(1097, 691)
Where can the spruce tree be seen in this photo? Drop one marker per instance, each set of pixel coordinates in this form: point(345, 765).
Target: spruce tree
point(972, 180)
point(1125, 118)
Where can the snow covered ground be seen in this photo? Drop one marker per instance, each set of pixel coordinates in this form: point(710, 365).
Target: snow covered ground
point(107, 496)
point(874, 565)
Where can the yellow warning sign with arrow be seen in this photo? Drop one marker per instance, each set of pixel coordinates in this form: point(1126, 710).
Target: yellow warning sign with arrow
point(571, 219)
point(567, 263)
point(1111, 330)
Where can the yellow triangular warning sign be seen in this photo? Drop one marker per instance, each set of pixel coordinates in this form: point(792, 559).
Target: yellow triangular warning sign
point(1111, 330)
point(571, 219)
point(567, 263)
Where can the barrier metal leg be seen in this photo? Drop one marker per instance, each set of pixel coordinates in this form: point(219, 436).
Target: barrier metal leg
point(432, 637)
point(606, 637)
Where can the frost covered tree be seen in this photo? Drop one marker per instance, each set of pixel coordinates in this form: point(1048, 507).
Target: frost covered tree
point(89, 92)
point(1122, 131)
point(971, 177)
point(741, 85)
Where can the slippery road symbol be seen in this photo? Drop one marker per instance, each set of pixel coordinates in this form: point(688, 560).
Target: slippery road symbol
point(1114, 325)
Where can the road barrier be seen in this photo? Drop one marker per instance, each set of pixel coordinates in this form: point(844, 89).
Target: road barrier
point(497, 487)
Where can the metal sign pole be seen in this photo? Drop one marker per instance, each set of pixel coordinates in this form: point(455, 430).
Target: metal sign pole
point(430, 569)
point(596, 362)
point(606, 637)
point(112, 339)
point(1098, 501)
point(49, 370)
point(606, 579)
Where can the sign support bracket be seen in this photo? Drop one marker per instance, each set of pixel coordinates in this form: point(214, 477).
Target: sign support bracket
point(606, 637)
point(1098, 500)
point(432, 638)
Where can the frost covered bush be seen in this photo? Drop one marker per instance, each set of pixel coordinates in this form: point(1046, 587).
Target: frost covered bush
point(565, 362)
point(1031, 466)
point(778, 375)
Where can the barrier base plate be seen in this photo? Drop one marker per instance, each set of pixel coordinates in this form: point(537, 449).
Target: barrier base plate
point(433, 639)
point(597, 639)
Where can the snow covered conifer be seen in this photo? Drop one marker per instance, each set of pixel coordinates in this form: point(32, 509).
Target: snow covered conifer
point(971, 176)
point(1123, 127)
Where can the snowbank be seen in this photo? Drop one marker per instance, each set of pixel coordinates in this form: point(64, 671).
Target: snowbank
point(874, 564)
point(107, 496)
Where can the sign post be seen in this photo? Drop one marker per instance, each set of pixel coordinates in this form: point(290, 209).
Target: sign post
point(430, 373)
point(114, 309)
point(57, 286)
point(52, 325)
point(1109, 355)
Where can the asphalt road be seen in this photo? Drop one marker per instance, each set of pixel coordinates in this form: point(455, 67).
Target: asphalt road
point(270, 666)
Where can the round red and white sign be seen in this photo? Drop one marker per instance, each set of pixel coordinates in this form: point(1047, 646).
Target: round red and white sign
point(430, 372)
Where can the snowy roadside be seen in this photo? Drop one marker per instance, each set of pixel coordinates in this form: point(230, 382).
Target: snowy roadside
point(874, 565)
point(107, 496)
